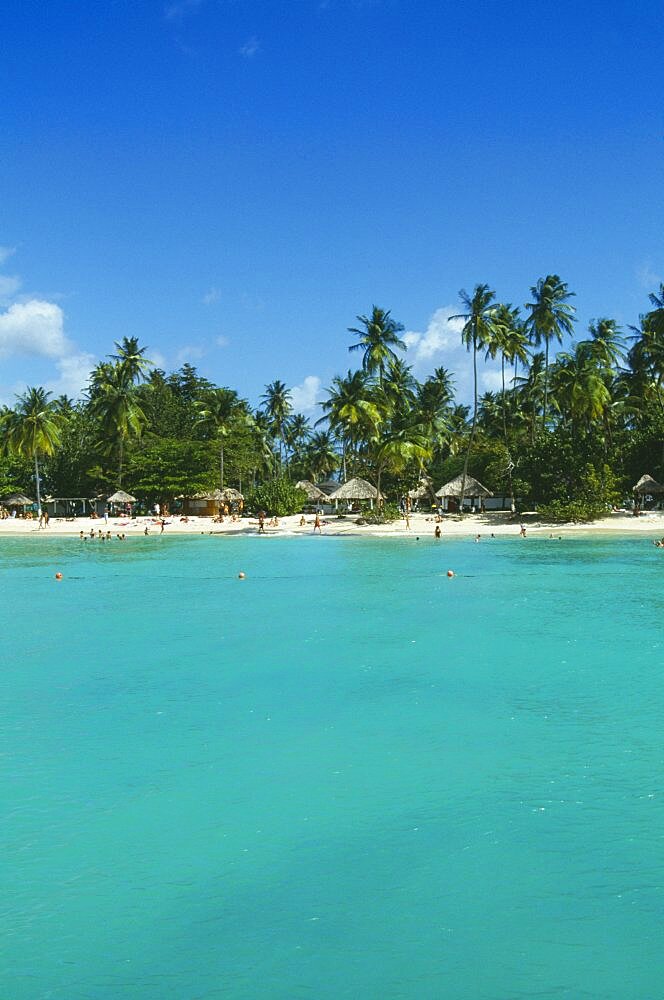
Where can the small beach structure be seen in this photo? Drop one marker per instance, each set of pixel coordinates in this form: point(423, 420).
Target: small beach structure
point(355, 490)
point(423, 490)
point(314, 493)
point(450, 493)
point(68, 507)
point(16, 500)
point(647, 486)
point(119, 499)
point(209, 504)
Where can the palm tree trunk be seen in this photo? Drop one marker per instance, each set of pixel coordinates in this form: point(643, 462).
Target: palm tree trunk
point(221, 466)
point(509, 460)
point(379, 499)
point(37, 487)
point(120, 459)
point(472, 430)
point(343, 453)
point(546, 383)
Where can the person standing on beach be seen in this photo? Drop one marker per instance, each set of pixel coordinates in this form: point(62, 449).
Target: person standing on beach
point(317, 524)
point(261, 522)
point(522, 532)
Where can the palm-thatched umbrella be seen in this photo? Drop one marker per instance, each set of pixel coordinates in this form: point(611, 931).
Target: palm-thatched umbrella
point(314, 494)
point(230, 495)
point(355, 489)
point(121, 497)
point(16, 500)
point(647, 484)
point(474, 490)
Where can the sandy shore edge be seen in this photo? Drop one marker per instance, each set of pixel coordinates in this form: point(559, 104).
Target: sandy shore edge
point(420, 525)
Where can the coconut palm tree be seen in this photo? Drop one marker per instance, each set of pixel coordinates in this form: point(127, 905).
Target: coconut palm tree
point(215, 414)
point(298, 432)
point(475, 334)
point(399, 446)
point(350, 410)
point(320, 457)
point(579, 387)
point(132, 359)
point(277, 404)
point(607, 342)
point(529, 389)
point(379, 341)
point(114, 402)
point(507, 338)
point(399, 387)
point(32, 429)
point(551, 316)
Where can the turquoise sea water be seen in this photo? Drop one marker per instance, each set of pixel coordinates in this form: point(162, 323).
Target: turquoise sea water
point(346, 776)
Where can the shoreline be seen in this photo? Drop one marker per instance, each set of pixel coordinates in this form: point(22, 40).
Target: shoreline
point(422, 525)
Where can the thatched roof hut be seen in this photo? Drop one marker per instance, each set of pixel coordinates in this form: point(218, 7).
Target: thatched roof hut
point(423, 489)
point(314, 494)
point(17, 500)
point(473, 488)
point(329, 487)
point(229, 495)
point(647, 484)
point(355, 489)
point(121, 497)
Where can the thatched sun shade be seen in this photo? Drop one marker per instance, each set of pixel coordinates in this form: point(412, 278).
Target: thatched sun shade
point(355, 489)
point(647, 484)
point(313, 492)
point(121, 497)
point(17, 500)
point(473, 488)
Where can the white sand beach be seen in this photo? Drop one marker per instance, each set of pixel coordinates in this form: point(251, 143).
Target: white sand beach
point(650, 525)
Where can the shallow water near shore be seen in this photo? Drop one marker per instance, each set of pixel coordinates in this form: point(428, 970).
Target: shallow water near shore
point(344, 776)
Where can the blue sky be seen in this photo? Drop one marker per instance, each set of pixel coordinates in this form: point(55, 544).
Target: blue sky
point(234, 181)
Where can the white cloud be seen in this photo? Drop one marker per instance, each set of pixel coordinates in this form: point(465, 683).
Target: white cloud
point(305, 397)
point(648, 277)
point(189, 352)
point(222, 341)
point(179, 9)
point(491, 380)
point(9, 285)
point(441, 334)
point(157, 359)
point(35, 328)
point(6, 253)
point(440, 344)
point(73, 373)
point(212, 295)
point(250, 47)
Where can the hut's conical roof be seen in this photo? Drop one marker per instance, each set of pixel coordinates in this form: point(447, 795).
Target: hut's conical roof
point(473, 488)
point(313, 492)
point(228, 493)
point(18, 499)
point(121, 497)
point(355, 489)
point(647, 484)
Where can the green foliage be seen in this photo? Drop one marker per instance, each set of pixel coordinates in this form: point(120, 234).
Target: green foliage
point(279, 496)
point(385, 515)
point(594, 497)
point(161, 469)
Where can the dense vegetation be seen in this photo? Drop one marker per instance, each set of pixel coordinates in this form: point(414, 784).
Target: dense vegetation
point(571, 433)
